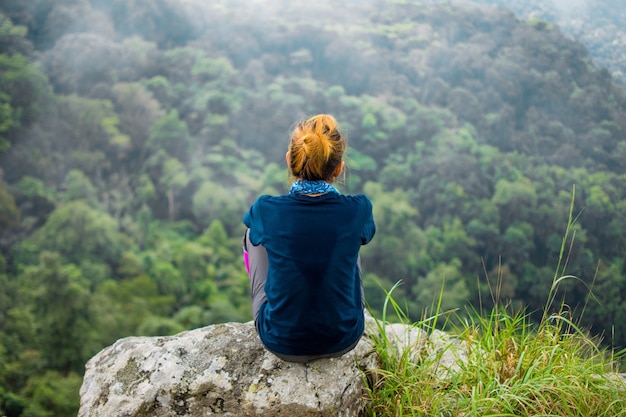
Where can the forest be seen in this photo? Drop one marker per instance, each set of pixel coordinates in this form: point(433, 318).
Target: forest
point(135, 134)
point(597, 24)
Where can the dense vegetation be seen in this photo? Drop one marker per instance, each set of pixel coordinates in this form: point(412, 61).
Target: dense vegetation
point(597, 24)
point(497, 363)
point(135, 134)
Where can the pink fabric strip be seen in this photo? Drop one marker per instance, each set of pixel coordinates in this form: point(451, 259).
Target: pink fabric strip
point(246, 262)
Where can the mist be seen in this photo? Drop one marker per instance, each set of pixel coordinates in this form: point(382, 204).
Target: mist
point(134, 135)
point(571, 8)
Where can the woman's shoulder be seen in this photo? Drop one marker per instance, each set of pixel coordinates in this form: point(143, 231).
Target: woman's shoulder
point(358, 198)
point(267, 201)
point(265, 198)
point(289, 199)
point(356, 202)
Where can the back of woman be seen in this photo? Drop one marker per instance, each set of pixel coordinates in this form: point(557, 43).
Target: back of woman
point(303, 250)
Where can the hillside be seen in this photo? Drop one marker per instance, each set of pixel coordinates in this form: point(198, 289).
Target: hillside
point(597, 24)
point(134, 135)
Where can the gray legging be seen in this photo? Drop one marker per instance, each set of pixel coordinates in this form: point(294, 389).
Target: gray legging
point(258, 265)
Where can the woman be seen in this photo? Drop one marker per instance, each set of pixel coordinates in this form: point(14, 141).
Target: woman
point(302, 252)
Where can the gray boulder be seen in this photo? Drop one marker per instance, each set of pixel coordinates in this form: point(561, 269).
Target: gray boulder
point(220, 370)
point(224, 370)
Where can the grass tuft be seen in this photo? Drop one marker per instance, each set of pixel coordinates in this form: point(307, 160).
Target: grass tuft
point(497, 364)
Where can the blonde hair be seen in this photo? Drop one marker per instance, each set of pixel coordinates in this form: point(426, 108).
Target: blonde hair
point(316, 148)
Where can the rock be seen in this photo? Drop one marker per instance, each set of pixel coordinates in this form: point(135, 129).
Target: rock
point(442, 351)
point(220, 370)
point(224, 370)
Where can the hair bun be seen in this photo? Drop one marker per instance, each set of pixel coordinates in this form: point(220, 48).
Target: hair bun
point(316, 148)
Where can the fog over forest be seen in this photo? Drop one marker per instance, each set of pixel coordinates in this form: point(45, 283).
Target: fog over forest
point(597, 24)
point(135, 134)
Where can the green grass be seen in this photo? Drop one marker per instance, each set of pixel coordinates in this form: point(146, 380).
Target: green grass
point(496, 363)
point(505, 366)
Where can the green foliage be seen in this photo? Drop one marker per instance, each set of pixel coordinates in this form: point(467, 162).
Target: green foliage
point(134, 136)
point(52, 394)
point(137, 112)
point(60, 305)
point(170, 135)
point(122, 307)
point(79, 232)
point(448, 277)
point(9, 213)
point(212, 201)
point(159, 326)
point(78, 187)
point(7, 120)
point(496, 364)
point(23, 90)
point(13, 37)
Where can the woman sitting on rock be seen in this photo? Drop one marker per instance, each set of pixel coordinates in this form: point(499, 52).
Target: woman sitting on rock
point(302, 252)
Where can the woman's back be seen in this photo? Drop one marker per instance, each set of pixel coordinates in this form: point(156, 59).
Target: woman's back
point(303, 251)
point(313, 285)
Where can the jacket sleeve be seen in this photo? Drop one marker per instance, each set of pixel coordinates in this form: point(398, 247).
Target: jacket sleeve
point(369, 228)
point(252, 219)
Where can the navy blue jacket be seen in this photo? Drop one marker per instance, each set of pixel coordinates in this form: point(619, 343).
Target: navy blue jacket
point(313, 288)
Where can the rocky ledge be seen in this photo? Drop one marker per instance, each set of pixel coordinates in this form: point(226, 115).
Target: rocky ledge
point(224, 370)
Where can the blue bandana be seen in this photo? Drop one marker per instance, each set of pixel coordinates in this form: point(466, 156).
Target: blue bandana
point(305, 187)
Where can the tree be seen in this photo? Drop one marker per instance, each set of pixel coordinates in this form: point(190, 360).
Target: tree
point(445, 281)
point(161, 21)
point(138, 111)
point(517, 242)
point(61, 307)
point(212, 201)
point(52, 392)
point(399, 249)
point(9, 213)
point(78, 187)
point(79, 62)
point(121, 307)
point(77, 16)
point(173, 180)
point(79, 232)
point(13, 38)
point(605, 311)
point(167, 153)
point(192, 260)
point(458, 244)
point(169, 134)
point(515, 199)
point(168, 279)
point(159, 326)
point(24, 96)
